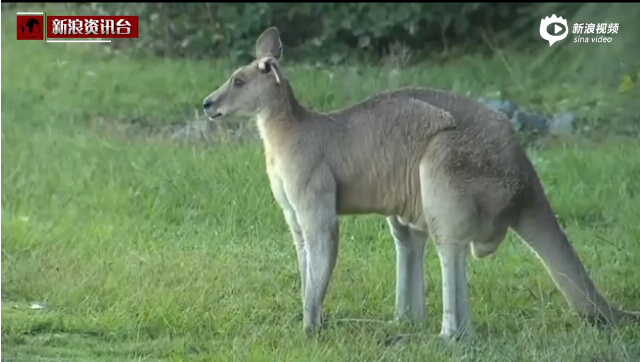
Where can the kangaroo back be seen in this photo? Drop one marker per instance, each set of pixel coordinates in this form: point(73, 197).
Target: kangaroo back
point(374, 149)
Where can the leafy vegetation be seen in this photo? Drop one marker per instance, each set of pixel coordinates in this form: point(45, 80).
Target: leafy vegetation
point(330, 31)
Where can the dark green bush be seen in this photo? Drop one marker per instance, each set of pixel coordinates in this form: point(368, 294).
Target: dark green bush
point(331, 31)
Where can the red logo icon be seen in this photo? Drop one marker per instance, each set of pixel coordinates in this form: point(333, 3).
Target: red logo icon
point(30, 27)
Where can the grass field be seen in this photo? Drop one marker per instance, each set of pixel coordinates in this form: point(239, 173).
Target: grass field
point(149, 249)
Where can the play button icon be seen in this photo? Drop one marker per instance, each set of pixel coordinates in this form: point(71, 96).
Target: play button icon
point(557, 28)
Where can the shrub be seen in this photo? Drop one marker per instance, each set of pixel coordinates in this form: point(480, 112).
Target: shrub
point(333, 30)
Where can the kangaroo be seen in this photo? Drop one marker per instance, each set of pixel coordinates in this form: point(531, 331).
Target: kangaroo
point(435, 164)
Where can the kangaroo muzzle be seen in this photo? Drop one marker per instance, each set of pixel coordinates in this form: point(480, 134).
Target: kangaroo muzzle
point(213, 103)
point(211, 108)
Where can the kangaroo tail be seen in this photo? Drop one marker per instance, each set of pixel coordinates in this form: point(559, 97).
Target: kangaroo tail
point(537, 226)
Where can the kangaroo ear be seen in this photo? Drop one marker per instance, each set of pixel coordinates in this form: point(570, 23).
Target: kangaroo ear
point(269, 64)
point(269, 44)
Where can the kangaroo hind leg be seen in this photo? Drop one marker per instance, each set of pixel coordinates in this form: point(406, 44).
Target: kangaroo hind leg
point(451, 230)
point(455, 220)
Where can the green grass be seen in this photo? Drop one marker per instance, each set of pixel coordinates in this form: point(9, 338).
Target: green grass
point(148, 249)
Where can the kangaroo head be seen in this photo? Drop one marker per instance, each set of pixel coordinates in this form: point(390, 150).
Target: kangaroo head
point(253, 88)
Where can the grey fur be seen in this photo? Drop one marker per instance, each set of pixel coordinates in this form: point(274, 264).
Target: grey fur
point(432, 162)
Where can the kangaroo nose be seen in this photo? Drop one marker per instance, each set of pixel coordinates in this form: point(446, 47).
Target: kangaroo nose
point(207, 103)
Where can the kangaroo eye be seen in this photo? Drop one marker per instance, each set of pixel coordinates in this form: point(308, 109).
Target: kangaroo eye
point(237, 82)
